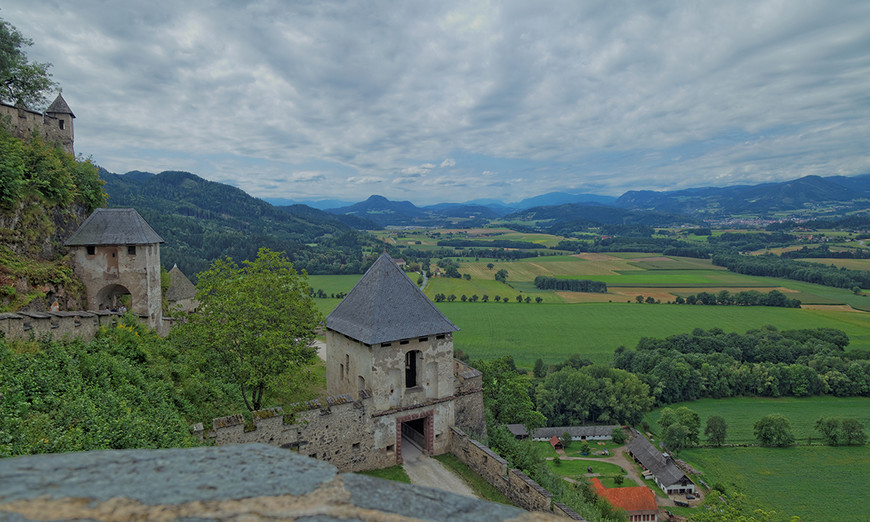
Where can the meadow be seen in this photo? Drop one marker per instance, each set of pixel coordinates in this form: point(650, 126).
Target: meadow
point(812, 482)
point(786, 480)
point(554, 332)
point(741, 413)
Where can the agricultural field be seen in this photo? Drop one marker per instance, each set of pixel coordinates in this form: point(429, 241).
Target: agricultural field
point(555, 331)
point(741, 413)
point(785, 479)
point(595, 324)
point(812, 482)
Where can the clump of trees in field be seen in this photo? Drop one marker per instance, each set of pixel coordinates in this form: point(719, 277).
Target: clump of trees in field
point(570, 285)
point(841, 432)
point(763, 362)
point(742, 298)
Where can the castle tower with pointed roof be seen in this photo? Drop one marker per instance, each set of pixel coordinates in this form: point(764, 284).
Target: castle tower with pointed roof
point(390, 348)
point(59, 123)
point(387, 337)
point(117, 253)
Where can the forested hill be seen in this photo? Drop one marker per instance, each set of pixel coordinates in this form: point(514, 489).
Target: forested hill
point(794, 194)
point(202, 220)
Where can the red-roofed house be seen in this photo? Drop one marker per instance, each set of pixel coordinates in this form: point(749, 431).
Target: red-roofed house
point(556, 442)
point(639, 503)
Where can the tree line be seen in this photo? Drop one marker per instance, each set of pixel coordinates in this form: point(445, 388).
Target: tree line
point(774, 266)
point(571, 285)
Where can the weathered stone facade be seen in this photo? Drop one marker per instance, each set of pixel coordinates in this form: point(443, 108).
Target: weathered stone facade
point(352, 366)
point(353, 434)
point(56, 125)
point(113, 270)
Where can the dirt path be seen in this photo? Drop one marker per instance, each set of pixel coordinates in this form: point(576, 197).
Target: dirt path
point(428, 472)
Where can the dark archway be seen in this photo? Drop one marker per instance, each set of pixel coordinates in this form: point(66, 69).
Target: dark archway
point(113, 297)
point(417, 429)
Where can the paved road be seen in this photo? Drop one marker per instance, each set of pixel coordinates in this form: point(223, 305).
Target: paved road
point(425, 471)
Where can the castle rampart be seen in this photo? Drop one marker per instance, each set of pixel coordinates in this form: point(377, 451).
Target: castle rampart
point(54, 127)
point(60, 325)
point(515, 484)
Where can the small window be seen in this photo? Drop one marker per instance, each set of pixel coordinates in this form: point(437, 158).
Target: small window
point(386, 344)
point(91, 249)
point(423, 339)
point(404, 342)
point(60, 124)
point(391, 447)
point(131, 250)
point(356, 446)
point(439, 336)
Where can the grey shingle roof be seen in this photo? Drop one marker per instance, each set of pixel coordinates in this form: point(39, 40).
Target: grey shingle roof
point(59, 106)
point(386, 306)
point(652, 459)
point(114, 226)
point(180, 286)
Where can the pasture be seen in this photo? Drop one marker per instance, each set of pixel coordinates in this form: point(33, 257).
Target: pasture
point(812, 482)
point(741, 413)
point(555, 331)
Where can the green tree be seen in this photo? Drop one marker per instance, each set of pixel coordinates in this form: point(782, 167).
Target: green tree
point(715, 430)
point(618, 435)
point(852, 433)
point(639, 299)
point(676, 437)
point(566, 440)
point(22, 83)
point(255, 322)
point(539, 371)
point(501, 276)
point(538, 299)
point(506, 394)
point(773, 430)
point(829, 427)
point(667, 417)
point(690, 419)
point(490, 266)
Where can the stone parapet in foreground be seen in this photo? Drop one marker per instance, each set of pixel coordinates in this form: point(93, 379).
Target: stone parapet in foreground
point(245, 481)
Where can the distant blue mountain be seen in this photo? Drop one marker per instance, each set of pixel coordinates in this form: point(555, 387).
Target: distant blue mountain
point(561, 198)
point(320, 204)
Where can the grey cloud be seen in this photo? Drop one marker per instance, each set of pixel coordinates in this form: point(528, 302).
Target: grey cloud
point(374, 88)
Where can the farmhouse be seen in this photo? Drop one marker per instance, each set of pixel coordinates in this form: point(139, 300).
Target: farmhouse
point(639, 503)
point(666, 474)
point(581, 433)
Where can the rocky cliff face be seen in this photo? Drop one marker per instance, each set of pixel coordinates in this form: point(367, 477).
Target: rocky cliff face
point(34, 266)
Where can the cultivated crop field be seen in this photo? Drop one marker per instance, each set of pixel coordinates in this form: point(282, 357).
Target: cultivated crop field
point(812, 482)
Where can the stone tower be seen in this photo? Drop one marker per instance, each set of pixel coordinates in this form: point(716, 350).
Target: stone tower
point(59, 123)
point(117, 253)
point(387, 341)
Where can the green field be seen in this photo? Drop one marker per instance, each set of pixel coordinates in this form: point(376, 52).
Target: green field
point(554, 332)
point(812, 482)
point(786, 480)
point(741, 413)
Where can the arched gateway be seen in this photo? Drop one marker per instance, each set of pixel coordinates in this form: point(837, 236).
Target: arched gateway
point(117, 253)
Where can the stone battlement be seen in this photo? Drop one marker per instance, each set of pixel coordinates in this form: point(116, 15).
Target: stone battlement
point(59, 325)
point(24, 122)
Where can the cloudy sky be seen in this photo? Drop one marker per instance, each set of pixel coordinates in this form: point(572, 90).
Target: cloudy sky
point(452, 101)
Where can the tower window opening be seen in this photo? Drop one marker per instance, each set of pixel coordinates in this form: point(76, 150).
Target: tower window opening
point(412, 365)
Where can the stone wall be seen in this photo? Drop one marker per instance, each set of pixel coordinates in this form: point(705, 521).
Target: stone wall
point(60, 325)
point(522, 490)
point(241, 482)
point(23, 122)
point(469, 410)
